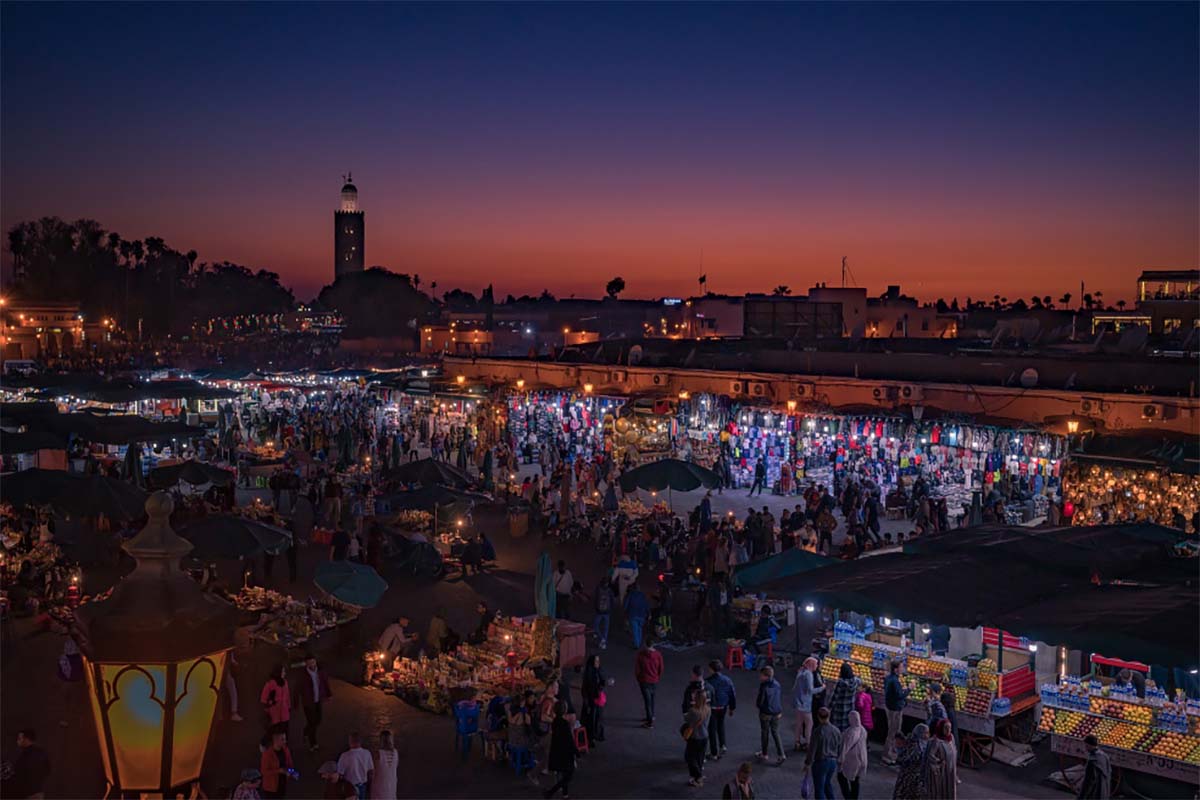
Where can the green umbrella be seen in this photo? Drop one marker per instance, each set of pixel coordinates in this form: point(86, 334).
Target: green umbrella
point(351, 583)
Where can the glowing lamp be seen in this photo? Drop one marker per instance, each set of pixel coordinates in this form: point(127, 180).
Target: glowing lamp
point(520, 383)
point(587, 388)
point(461, 379)
point(810, 608)
point(791, 405)
point(154, 655)
point(1072, 426)
point(925, 629)
point(683, 395)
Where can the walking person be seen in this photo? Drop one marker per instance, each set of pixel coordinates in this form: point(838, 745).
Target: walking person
point(1097, 774)
point(564, 584)
point(842, 697)
point(562, 751)
point(604, 603)
point(647, 670)
point(276, 700)
point(770, 711)
point(312, 689)
point(695, 733)
point(387, 762)
point(595, 698)
point(276, 766)
point(30, 769)
point(724, 702)
point(637, 611)
point(941, 762)
point(895, 697)
point(760, 477)
point(804, 691)
point(910, 781)
point(356, 765)
point(824, 749)
point(852, 763)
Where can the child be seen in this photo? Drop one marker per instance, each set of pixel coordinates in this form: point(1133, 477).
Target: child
point(864, 704)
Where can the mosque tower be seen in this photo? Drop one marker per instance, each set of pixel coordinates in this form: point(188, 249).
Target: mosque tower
point(349, 238)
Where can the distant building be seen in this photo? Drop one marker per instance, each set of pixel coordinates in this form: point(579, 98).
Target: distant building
point(1170, 298)
point(40, 329)
point(349, 235)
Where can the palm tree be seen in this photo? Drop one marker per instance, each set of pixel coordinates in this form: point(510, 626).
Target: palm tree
point(1065, 300)
point(1036, 301)
point(1100, 300)
point(1121, 305)
point(781, 291)
point(1048, 301)
point(996, 302)
point(1088, 302)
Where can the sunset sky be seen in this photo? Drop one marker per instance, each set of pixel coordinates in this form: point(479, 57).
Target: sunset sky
point(954, 148)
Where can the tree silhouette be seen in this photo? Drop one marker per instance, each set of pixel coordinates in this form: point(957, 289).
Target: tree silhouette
point(615, 287)
point(781, 291)
point(1088, 302)
point(1048, 301)
point(1065, 300)
point(1121, 305)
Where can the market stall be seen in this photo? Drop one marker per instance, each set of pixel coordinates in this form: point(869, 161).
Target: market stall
point(1158, 734)
point(284, 621)
point(515, 656)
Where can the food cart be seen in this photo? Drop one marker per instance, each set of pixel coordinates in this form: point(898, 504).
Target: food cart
point(987, 699)
point(1156, 734)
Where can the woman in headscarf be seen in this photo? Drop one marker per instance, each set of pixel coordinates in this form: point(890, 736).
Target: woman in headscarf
point(852, 763)
point(941, 763)
point(910, 782)
point(594, 698)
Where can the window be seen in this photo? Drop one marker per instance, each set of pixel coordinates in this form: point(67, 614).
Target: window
point(1172, 324)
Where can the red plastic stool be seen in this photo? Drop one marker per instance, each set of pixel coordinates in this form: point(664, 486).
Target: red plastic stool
point(770, 653)
point(734, 658)
point(581, 740)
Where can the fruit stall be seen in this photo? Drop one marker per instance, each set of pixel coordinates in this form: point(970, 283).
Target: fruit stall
point(1156, 734)
point(986, 700)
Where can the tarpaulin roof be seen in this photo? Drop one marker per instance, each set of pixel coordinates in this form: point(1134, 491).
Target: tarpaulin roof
point(1159, 624)
point(1109, 551)
point(92, 387)
point(1037, 585)
point(30, 442)
point(788, 563)
point(112, 428)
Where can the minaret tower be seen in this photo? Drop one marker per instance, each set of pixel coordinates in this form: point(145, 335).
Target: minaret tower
point(349, 238)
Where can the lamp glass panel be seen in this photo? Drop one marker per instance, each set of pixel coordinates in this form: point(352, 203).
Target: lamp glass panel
point(136, 715)
point(94, 696)
point(197, 687)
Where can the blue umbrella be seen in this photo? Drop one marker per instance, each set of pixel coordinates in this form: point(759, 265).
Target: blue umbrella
point(352, 583)
point(544, 599)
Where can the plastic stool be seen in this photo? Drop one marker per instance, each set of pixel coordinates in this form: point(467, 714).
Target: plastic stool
point(770, 656)
point(734, 657)
point(522, 759)
point(581, 739)
point(466, 725)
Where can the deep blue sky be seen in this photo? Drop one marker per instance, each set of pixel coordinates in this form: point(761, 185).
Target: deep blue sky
point(956, 148)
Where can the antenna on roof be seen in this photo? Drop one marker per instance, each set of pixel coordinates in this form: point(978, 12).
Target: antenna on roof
point(843, 272)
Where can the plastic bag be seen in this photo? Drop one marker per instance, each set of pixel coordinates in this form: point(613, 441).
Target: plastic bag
point(806, 785)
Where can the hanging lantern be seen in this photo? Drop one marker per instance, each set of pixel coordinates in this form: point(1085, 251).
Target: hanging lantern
point(154, 655)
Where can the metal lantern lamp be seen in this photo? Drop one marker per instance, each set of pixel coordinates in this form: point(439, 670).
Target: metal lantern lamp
point(155, 654)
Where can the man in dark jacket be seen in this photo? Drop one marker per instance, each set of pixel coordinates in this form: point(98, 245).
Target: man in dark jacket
point(895, 696)
point(723, 701)
point(770, 710)
point(30, 768)
point(1097, 774)
point(311, 686)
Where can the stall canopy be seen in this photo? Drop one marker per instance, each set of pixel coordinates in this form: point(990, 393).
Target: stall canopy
point(1159, 624)
point(84, 495)
point(30, 442)
point(111, 428)
point(429, 472)
point(197, 473)
point(1103, 551)
point(91, 387)
point(1111, 588)
point(786, 564)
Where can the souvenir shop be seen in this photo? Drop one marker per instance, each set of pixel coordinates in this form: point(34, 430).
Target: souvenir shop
point(710, 423)
point(569, 421)
point(1096, 493)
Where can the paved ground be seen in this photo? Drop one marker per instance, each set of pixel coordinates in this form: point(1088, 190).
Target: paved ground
point(632, 763)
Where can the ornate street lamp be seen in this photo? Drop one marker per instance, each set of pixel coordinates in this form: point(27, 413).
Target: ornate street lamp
point(154, 655)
